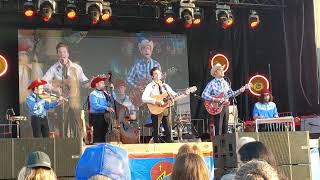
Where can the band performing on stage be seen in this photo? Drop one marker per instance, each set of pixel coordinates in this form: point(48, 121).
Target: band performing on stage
point(140, 96)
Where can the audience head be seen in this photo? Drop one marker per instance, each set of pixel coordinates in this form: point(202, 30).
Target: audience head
point(38, 167)
point(256, 170)
point(103, 159)
point(190, 167)
point(99, 177)
point(256, 150)
point(189, 148)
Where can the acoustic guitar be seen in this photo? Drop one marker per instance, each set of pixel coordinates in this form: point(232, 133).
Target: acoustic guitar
point(168, 100)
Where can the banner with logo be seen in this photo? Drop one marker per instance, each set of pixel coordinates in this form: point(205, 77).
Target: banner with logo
point(156, 166)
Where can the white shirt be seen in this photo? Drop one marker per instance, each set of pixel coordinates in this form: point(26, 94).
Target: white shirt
point(152, 89)
point(55, 73)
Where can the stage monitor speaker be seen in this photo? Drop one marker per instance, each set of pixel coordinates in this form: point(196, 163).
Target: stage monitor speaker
point(297, 172)
point(67, 154)
point(22, 148)
point(288, 147)
point(311, 124)
point(6, 161)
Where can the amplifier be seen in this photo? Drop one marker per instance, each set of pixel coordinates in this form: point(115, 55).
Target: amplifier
point(311, 124)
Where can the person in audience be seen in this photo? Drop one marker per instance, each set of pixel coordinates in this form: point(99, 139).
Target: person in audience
point(105, 160)
point(256, 170)
point(257, 150)
point(190, 166)
point(38, 168)
point(242, 141)
point(189, 148)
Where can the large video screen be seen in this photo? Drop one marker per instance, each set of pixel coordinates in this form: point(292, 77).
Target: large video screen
point(93, 53)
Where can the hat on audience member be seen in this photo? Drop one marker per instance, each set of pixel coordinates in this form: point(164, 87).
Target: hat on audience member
point(103, 159)
point(38, 159)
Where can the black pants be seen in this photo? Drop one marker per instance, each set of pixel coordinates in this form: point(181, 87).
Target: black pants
point(156, 125)
point(220, 122)
point(100, 126)
point(40, 126)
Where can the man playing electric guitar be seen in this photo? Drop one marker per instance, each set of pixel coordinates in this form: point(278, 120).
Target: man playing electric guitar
point(219, 86)
point(156, 87)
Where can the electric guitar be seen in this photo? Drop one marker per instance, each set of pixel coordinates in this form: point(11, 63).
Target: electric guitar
point(215, 108)
point(168, 101)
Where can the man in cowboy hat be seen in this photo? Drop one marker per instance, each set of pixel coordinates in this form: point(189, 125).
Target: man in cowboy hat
point(213, 89)
point(38, 108)
point(99, 104)
point(140, 70)
point(265, 108)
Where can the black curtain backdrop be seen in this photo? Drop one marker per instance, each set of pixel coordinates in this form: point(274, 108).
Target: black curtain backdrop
point(276, 43)
point(280, 41)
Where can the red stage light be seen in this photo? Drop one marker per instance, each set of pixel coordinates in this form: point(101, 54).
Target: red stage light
point(3, 65)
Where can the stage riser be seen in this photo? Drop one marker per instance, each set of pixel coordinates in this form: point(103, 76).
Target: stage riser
point(289, 148)
point(63, 154)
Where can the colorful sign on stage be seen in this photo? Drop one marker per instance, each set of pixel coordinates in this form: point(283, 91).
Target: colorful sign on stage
point(157, 166)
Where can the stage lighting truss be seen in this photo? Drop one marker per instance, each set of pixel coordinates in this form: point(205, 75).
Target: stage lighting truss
point(47, 8)
point(169, 15)
point(224, 16)
point(71, 10)
point(189, 13)
point(254, 19)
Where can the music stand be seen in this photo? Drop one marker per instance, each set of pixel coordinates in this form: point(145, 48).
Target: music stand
point(17, 120)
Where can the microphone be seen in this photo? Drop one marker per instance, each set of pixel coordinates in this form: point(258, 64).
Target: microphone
point(13, 113)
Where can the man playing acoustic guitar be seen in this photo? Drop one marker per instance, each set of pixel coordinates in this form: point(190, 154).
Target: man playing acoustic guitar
point(156, 87)
point(219, 86)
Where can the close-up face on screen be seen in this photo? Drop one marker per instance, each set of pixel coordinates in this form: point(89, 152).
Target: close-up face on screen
point(68, 61)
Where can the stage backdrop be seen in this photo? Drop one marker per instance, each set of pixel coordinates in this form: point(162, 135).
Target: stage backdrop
point(96, 52)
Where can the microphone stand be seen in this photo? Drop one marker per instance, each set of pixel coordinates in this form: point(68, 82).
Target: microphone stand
point(234, 104)
point(171, 99)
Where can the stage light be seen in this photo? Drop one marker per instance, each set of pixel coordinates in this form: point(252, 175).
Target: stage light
point(71, 10)
point(186, 12)
point(47, 8)
point(94, 10)
point(197, 16)
point(259, 83)
point(224, 16)
point(106, 11)
point(254, 19)
point(3, 65)
point(169, 16)
point(29, 9)
point(219, 59)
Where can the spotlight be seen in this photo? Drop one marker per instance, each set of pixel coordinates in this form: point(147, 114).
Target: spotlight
point(71, 10)
point(224, 16)
point(29, 9)
point(198, 14)
point(254, 19)
point(94, 10)
point(186, 12)
point(47, 8)
point(3, 65)
point(106, 11)
point(169, 15)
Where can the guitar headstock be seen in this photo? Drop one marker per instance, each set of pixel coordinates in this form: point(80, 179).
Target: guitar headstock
point(191, 89)
point(248, 86)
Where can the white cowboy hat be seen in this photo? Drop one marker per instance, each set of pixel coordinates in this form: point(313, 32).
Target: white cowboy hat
point(216, 67)
point(144, 43)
